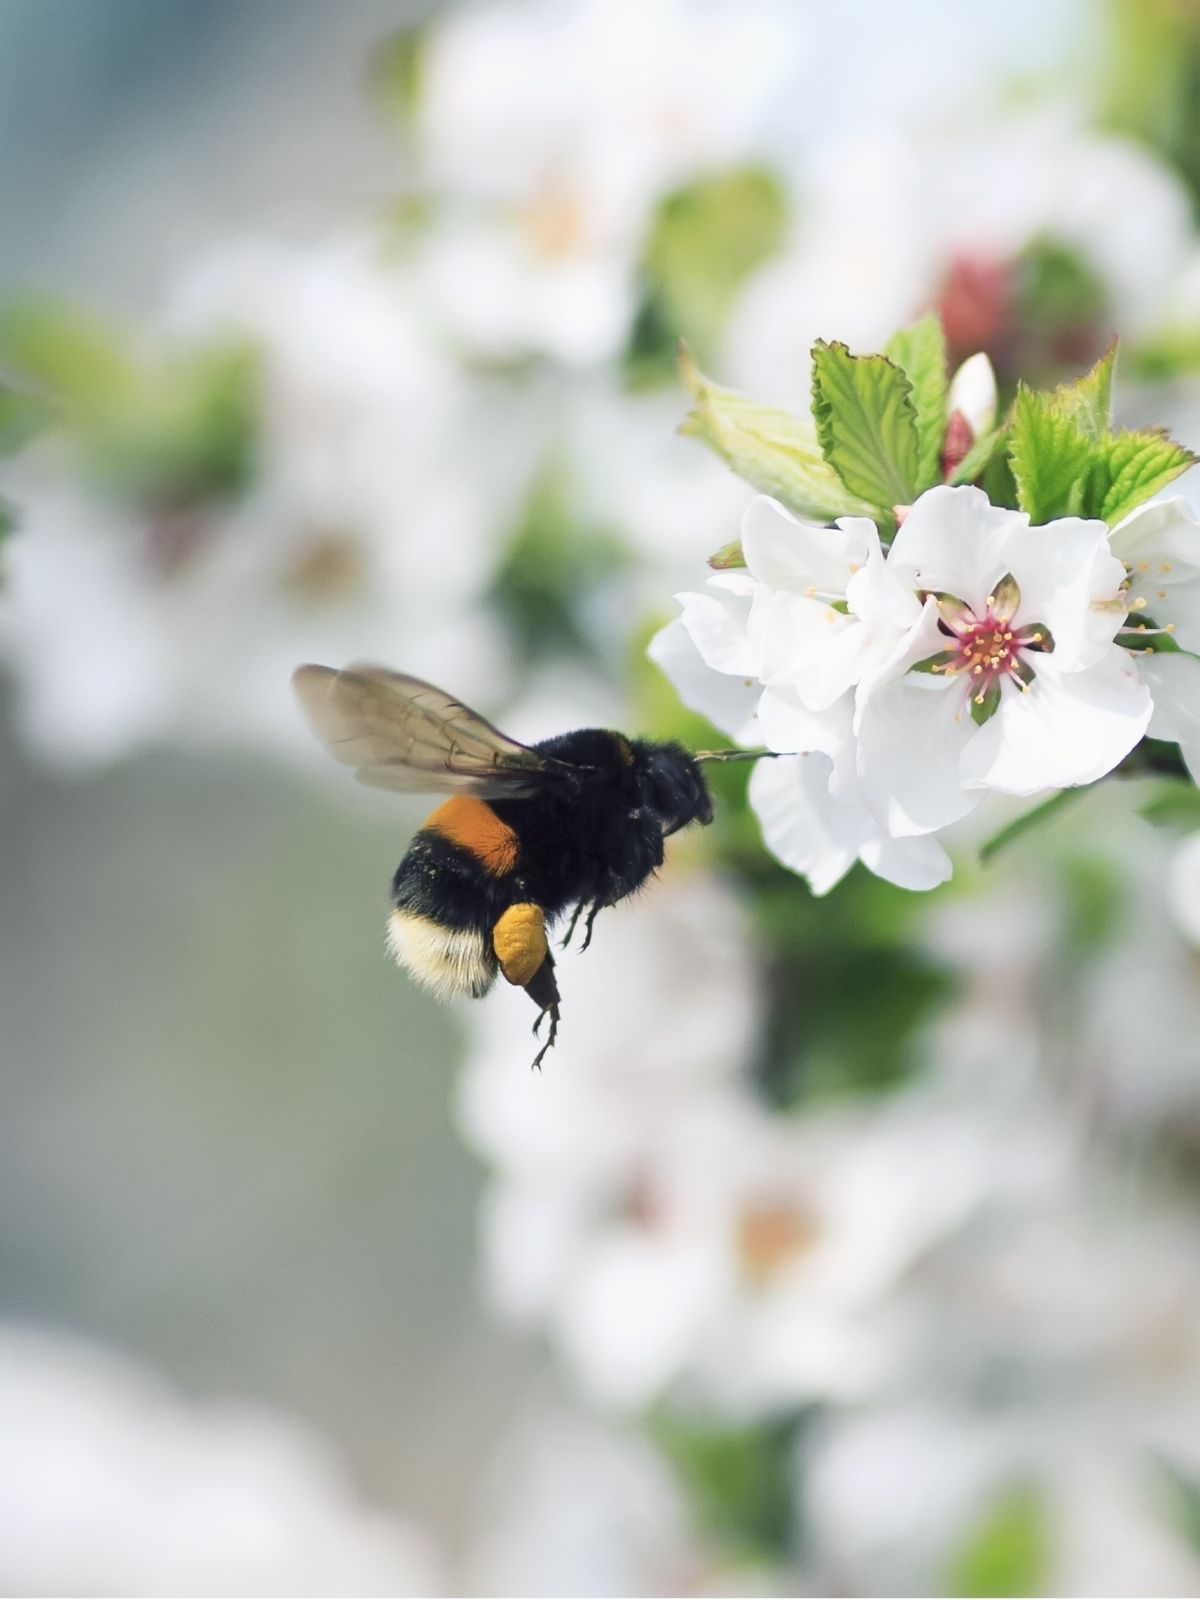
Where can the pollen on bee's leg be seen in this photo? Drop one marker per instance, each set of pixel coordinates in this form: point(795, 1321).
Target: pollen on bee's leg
point(519, 940)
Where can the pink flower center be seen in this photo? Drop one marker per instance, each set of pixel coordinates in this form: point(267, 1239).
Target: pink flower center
point(984, 648)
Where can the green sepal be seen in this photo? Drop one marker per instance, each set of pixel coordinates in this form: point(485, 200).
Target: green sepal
point(729, 558)
point(986, 703)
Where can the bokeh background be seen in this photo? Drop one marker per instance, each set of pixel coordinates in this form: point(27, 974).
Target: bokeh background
point(845, 1245)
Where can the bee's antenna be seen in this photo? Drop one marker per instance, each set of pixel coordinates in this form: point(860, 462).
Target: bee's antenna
point(731, 755)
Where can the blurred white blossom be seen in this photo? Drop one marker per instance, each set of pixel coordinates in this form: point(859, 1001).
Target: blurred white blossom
point(955, 218)
point(110, 1482)
point(549, 132)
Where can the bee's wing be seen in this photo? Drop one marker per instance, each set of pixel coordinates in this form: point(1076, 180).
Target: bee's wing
point(400, 733)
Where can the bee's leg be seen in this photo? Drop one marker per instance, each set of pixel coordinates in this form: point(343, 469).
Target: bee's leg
point(543, 991)
point(596, 907)
point(552, 1013)
point(570, 933)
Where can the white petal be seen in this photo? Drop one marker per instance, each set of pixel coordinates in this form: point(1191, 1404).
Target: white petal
point(802, 825)
point(1071, 584)
point(718, 622)
point(915, 863)
point(1160, 544)
point(786, 553)
point(729, 703)
point(912, 728)
point(1068, 728)
point(817, 650)
point(953, 541)
point(1174, 681)
point(973, 392)
point(785, 724)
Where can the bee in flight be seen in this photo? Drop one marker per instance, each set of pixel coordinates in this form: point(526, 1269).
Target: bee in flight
point(572, 823)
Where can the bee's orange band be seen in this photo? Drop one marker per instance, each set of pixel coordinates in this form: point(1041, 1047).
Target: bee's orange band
point(519, 940)
point(474, 826)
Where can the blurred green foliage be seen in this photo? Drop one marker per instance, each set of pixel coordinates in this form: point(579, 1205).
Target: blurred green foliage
point(555, 569)
point(704, 241)
point(1008, 1552)
point(163, 431)
point(739, 1482)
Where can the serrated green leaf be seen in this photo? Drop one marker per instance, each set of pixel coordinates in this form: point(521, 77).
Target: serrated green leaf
point(773, 450)
point(1008, 1553)
point(866, 424)
point(1133, 466)
point(1088, 401)
point(1051, 457)
point(978, 458)
point(920, 352)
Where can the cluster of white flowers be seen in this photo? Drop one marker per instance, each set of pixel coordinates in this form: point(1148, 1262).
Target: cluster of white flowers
point(413, 387)
point(978, 653)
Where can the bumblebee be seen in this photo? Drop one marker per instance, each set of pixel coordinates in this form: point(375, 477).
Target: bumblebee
point(572, 824)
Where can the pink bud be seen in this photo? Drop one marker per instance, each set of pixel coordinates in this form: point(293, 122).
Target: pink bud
point(959, 438)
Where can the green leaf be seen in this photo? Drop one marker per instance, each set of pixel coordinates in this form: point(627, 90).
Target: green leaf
point(867, 424)
point(704, 240)
point(920, 352)
point(770, 448)
point(1050, 455)
point(1088, 401)
point(1008, 1552)
point(1131, 467)
point(1027, 822)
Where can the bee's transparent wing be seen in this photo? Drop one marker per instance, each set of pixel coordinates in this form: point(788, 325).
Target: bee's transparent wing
point(401, 733)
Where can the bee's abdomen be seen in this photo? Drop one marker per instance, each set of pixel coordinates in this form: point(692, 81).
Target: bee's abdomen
point(474, 827)
point(444, 895)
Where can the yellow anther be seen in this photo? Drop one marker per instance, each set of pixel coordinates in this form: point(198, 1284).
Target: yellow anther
point(1139, 604)
point(1162, 594)
point(1143, 566)
point(1166, 567)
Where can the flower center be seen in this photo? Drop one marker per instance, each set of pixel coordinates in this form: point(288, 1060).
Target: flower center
point(985, 648)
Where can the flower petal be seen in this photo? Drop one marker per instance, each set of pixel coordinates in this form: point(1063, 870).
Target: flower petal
point(1174, 681)
point(1071, 584)
point(789, 554)
point(953, 542)
point(718, 621)
point(802, 825)
point(1160, 544)
point(912, 728)
point(973, 392)
point(729, 703)
point(1068, 728)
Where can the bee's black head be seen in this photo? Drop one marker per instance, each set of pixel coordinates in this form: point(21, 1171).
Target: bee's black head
point(671, 784)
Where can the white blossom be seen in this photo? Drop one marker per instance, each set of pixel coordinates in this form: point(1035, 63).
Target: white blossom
point(771, 655)
point(1008, 676)
point(889, 226)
